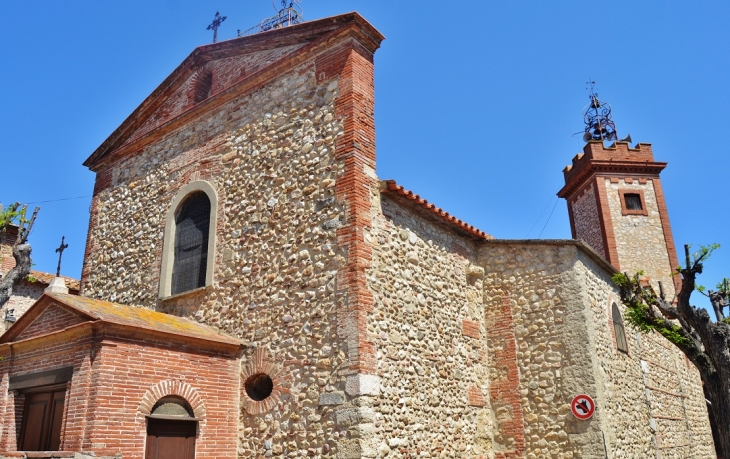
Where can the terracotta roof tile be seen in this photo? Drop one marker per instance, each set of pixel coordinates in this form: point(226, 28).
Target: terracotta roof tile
point(392, 188)
point(46, 278)
point(138, 317)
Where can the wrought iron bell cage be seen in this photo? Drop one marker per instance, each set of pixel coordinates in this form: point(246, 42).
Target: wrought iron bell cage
point(598, 122)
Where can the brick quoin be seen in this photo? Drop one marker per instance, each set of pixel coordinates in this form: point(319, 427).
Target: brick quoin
point(667, 230)
point(471, 329)
point(353, 65)
point(505, 392)
point(475, 397)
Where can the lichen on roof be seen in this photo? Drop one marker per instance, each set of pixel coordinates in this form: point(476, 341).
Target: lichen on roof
point(46, 278)
point(139, 317)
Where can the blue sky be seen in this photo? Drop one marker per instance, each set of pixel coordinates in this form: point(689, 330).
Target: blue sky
point(476, 102)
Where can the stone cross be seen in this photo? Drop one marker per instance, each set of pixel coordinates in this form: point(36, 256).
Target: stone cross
point(217, 21)
point(59, 251)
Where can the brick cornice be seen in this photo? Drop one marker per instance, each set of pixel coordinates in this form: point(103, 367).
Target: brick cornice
point(104, 330)
point(607, 168)
point(44, 341)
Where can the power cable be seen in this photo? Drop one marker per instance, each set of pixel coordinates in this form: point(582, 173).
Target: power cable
point(551, 214)
point(62, 199)
point(538, 218)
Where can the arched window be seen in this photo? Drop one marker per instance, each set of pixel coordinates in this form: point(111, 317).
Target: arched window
point(189, 243)
point(618, 330)
point(192, 224)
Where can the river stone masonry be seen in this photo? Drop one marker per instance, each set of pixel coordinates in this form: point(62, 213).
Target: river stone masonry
point(270, 157)
point(432, 359)
point(560, 296)
point(386, 327)
point(640, 237)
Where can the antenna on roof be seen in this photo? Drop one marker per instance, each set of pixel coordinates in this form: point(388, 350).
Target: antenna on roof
point(597, 118)
point(290, 13)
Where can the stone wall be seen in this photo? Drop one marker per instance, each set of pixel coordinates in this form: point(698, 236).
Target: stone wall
point(274, 159)
point(24, 295)
point(621, 391)
point(223, 74)
point(640, 239)
point(671, 420)
point(649, 402)
point(547, 302)
point(675, 399)
point(428, 329)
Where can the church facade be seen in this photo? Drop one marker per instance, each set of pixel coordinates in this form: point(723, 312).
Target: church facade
point(251, 288)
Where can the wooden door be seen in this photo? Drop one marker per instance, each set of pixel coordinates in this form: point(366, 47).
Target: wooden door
point(42, 418)
point(170, 439)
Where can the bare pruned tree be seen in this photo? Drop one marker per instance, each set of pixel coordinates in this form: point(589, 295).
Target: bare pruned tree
point(11, 216)
point(705, 342)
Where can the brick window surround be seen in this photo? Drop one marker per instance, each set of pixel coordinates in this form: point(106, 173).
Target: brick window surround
point(625, 210)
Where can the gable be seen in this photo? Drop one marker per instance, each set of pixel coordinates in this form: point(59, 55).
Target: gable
point(53, 319)
point(209, 79)
point(232, 63)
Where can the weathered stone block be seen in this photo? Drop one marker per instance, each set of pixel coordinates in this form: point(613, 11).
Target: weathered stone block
point(362, 385)
point(332, 398)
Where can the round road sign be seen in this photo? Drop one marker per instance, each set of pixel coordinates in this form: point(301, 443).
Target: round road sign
point(583, 407)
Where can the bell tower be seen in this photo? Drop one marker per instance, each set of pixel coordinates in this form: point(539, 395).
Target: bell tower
point(616, 203)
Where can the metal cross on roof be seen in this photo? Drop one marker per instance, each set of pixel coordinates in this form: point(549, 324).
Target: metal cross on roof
point(217, 21)
point(59, 251)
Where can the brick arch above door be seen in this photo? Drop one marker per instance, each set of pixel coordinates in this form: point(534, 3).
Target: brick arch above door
point(172, 387)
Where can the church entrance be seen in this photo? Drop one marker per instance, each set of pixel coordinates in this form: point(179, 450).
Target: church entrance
point(42, 418)
point(170, 439)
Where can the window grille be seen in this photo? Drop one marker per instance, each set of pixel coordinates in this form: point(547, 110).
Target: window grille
point(192, 225)
point(618, 330)
point(633, 201)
